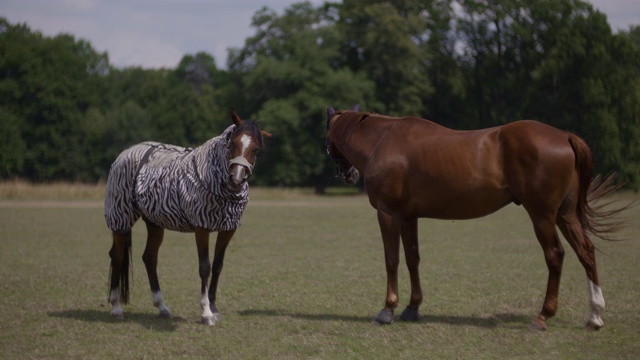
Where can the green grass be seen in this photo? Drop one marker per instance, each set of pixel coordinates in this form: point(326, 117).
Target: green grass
point(303, 278)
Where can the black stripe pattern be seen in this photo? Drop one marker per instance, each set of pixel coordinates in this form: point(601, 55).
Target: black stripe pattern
point(175, 188)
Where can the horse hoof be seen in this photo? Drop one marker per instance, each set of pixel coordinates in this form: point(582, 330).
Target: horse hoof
point(208, 320)
point(410, 314)
point(385, 317)
point(165, 314)
point(593, 326)
point(117, 313)
point(217, 317)
point(538, 325)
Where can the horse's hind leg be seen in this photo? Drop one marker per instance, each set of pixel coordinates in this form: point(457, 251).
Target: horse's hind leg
point(547, 235)
point(119, 272)
point(155, 236)
point(577, 238)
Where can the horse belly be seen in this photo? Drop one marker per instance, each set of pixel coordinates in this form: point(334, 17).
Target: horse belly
point(461, 205)
point(462, 185)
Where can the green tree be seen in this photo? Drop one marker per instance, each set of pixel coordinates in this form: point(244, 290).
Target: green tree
point(291, 71)
point(447, 103)
point(384, 39)
point(48, 85)
point(498, 53)
point(12, 145)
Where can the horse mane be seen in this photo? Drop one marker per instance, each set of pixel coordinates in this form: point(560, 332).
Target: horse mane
point(347, 123)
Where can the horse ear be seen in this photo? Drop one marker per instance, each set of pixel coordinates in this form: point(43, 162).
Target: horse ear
point(265, 134)
point(235, 118)
point(330, 112)
point(355, 107)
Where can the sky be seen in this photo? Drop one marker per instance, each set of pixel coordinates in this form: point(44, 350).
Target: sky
point(158, 33)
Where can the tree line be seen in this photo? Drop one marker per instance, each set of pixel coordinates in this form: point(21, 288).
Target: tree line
point(66, 112)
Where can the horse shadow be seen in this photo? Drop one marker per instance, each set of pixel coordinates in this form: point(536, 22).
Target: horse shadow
point(154, 323)
point(489, 322)
point(147, 320)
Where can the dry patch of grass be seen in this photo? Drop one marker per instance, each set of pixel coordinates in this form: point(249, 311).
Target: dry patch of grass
point(23, 190)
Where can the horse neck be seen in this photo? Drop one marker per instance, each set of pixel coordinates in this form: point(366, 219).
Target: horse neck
point(211, 159)
point(359, 140)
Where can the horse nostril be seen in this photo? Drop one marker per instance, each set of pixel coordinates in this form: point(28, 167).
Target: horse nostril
point(238, 177)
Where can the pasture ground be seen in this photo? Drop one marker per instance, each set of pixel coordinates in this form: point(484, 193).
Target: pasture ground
point(303, 278)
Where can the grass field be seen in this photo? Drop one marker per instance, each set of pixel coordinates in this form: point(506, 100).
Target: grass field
point(303, 278)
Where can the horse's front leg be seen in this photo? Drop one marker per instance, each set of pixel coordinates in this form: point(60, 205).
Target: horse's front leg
point(412, 255)
point(224, 237)
point(390, 229)
point(204, 268)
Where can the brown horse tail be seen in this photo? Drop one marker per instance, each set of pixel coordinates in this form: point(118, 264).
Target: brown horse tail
point(596, 219)
point(125, 266)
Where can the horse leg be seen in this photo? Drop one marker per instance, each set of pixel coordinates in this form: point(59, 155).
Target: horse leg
point(390, 230)
point(583, 247)
point(119, 272)
point(155, 236)
point(554, 257)
point(204, 268)
point(409, 232)
point(222, 241)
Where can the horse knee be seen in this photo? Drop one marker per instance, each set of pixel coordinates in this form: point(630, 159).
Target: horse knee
point(554, 258)
point(147, 259)
point(204, 269)
point(560, 253)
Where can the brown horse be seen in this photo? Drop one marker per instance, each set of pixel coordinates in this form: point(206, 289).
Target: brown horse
point(414, 168)
point(197, 190)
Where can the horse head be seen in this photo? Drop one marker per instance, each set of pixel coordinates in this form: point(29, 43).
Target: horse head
point(245, 142)
point(344, 168)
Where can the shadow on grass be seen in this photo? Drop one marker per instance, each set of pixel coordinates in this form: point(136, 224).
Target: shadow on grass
point(149, 321)
point(493, 321)
point(298, 315)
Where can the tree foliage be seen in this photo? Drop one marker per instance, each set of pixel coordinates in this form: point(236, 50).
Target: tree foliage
point(65, 112)
point(291, 71)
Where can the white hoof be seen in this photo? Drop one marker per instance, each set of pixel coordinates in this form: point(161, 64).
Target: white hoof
point(117, 314)
point(208, 320)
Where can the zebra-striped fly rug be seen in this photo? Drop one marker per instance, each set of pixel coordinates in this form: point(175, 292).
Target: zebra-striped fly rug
point(175, 188)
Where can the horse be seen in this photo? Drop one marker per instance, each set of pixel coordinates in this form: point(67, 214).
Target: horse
point(414, 168)
point(199, 190)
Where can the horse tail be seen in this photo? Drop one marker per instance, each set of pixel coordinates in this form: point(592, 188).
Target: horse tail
point(124, 268)
point(596, 219)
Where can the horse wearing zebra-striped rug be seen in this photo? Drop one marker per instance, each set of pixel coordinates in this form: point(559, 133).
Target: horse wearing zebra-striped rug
point(199, 190)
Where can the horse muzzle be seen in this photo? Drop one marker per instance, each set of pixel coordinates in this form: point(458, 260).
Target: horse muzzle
point(351, 176)
point(239, 171)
